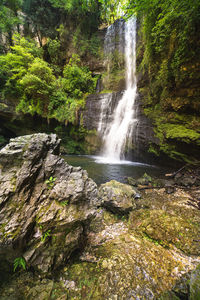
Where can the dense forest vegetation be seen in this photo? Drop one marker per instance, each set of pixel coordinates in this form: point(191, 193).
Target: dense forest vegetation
point(51, 58)
point(168, 55)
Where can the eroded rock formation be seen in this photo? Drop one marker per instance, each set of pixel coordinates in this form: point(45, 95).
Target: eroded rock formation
point(45, 203)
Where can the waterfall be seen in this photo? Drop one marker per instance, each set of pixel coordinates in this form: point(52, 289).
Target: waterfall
point(105, 112)
point(118, 135)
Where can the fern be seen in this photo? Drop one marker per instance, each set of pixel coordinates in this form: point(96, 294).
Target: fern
point(50, 182)
point(45, 235)
point(65, 203)
point(19, 262)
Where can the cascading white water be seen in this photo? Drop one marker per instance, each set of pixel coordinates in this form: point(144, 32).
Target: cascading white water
point(105, 110)
point(119, 133)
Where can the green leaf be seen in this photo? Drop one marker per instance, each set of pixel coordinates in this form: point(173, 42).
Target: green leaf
point(19, 262)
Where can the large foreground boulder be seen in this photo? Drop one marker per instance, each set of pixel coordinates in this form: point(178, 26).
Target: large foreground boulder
point(45, 204)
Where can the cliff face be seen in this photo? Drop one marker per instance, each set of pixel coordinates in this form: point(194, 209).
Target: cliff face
point(168, 82)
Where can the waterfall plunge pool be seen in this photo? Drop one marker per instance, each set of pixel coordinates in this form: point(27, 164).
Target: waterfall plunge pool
point(102, 170)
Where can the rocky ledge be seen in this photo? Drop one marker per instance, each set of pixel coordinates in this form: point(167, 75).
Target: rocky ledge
point(67, 239)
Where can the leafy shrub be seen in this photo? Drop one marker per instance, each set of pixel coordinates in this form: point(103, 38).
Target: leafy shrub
point(14, 64)
point(37, 85)
point(78, 80)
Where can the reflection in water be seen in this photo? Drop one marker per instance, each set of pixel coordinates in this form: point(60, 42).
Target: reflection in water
point(101, 171)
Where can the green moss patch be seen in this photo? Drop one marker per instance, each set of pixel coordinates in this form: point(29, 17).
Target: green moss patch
point(166, 229)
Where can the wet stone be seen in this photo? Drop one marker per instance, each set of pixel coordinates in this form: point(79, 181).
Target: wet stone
point(117, 197)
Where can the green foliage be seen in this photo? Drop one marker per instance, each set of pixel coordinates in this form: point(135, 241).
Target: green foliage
point(112, 10)
point(86, 45)
point(14, 65)
point(45, 235)
point(94, 45)
point(61, 98)
point(153, 149)
point(26, 45)
point(165, 21)
point(30, 81)
point(72, 140)
point(168, 46)
point(37, 86)
point(64, 203)
point(73, 147)
point(80, 10)
point(25, 75)
point(180, 132)
point(78, 79)
point(69, 92)
point(9, 20)
point(50, 182)
point(2, 140)
point(19, 262)
point(53, 48)
point(44, 18)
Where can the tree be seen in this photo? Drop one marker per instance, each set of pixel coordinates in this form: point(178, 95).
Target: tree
point(14, 64)
point(78, 80)
point(42, 18)
point(9, 19)
point(37, 86)
point(70, 90)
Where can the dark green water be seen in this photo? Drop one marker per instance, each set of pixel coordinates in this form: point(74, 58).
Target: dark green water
point(101, 171)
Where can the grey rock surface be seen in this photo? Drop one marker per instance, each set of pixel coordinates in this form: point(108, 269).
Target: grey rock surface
point(44, 203)
point(117, 197)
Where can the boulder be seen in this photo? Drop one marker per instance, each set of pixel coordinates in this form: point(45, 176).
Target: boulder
point(45, 204)
point(117, 197)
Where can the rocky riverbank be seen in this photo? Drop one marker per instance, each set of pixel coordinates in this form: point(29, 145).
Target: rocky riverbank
point(67, 239)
